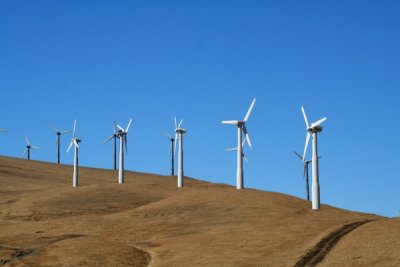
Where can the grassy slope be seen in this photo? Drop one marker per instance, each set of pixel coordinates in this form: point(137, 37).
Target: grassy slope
point(150, 221)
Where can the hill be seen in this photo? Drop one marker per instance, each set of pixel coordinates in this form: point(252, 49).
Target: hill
point(148, 221)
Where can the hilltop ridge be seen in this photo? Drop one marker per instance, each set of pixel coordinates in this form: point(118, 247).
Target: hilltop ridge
point(148, 221)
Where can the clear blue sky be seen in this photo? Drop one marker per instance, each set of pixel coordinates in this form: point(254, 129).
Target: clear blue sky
point(204, 61)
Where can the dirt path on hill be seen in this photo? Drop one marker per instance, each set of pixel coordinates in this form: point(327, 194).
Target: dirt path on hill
point(319, 251)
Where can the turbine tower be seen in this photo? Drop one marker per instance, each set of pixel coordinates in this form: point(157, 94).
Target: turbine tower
point(122, 143)
point(59, 133)
point(28, 148)
point(241, 129)
point(179, 133)
point(171, 151)
point(115, 136)
point(305, 173)
point(313, 130)
point(75, 141)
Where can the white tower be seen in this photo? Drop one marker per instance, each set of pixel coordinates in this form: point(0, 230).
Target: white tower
point(312, 131)
point(179, 133)
point(122, 143)
point(75, 141)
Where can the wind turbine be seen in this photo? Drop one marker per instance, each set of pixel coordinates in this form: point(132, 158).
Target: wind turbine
point(59, 133)
point(28, 148)
point(171, 151)
point(241, 129)
point(115, 136)
point(75, 141)
point(313, 130)
point(305, 173)
point(179, 133)
point(122, 143)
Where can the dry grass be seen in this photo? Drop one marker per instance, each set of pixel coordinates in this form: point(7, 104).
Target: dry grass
point(148, 221)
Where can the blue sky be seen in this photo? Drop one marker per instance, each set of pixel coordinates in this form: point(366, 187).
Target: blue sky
point(204, 61)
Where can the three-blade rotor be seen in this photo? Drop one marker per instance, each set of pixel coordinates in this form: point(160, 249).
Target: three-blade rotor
point(178, 130)
point(242, 123)
point(122, 134)
point(74, 140)
point(313, 128)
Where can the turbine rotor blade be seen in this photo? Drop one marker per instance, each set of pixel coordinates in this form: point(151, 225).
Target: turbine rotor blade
point(305, 170)
point(168, 135)
point(244, 157)
point(73, 133)
point(306, 144)
point(70, 145)
point(35, 147)
point(318, 122)
point(230, 122)
point(231, 149)
point(298, 155)
point(129, 125)
point(119, 127)
point(26, 140)
point(115, 127)
point(246, 134)
point(249, 111)
point(180, 123)
point(176, 140)
point(305, 117)
point(26, 150)
point(176, 124)
point(108, 139)
point(54, 128)
point(67, 131)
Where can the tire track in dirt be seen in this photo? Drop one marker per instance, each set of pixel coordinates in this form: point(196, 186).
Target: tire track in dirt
point(319, 251)
point(19, 253)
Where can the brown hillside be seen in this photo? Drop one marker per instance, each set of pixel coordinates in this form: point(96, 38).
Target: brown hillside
point(148, 221)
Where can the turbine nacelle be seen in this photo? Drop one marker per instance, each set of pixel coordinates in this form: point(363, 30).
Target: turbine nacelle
point(180, 131)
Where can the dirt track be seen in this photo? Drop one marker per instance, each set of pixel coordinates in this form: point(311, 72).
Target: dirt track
point(317, 253)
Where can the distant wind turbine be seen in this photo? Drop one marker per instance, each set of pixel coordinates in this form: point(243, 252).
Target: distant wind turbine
point(75, 141)
point(123, 142)
point(59, 133)
point(179, 133)
point(313, 130)
point(241, 129)
point(171, 151)
point(28, 148)
point(114, 136)
point(305, 173)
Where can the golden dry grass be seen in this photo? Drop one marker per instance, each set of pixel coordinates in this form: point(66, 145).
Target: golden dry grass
point(149, 222)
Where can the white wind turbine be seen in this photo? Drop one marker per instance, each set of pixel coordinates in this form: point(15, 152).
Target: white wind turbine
point(28, 148)
point(114, 136)
point(313, 130)
point(241, 129)
point(179, 133)
point(122, 143)
point(171, 151)
point(75, 141)
point(59, 133)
